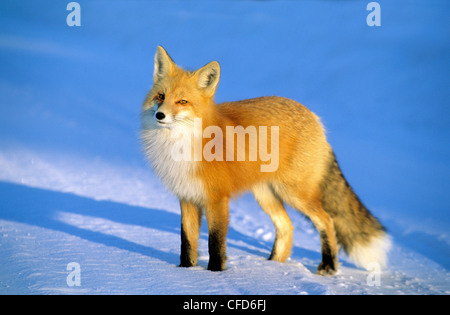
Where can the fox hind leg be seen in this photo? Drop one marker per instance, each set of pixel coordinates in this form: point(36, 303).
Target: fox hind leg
point(273, 206)
point(324, 224)
point(310, 205)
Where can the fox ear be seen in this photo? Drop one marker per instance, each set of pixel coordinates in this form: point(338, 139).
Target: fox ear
point(164, 65)
point(208, 77)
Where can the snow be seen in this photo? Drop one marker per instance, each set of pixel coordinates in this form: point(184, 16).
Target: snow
point(74, 186)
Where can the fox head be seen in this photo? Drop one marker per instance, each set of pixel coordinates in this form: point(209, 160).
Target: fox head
point(177, 95)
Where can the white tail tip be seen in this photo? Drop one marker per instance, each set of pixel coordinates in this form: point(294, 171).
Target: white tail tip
point(374, 253)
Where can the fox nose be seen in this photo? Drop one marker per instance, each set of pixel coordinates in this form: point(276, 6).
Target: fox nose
point(160, 115)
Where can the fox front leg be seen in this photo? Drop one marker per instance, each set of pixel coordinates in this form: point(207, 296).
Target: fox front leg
point(190, 228)
point(217, 217)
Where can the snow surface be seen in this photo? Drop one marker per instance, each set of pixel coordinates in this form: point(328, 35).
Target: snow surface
point(74, 186)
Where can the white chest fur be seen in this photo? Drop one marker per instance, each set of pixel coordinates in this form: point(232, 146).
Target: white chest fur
point(177, 175)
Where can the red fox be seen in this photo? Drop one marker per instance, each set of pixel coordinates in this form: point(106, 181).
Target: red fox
point(206, 153)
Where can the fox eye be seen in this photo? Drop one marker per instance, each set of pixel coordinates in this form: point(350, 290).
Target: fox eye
point(182, 102)
point(160, 97)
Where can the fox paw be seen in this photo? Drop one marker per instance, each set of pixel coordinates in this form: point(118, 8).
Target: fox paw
point(216, 265)
point(187, 263)
point(327, 269)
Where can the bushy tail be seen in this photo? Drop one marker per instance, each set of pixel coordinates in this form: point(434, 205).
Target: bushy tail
point(361, 235)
